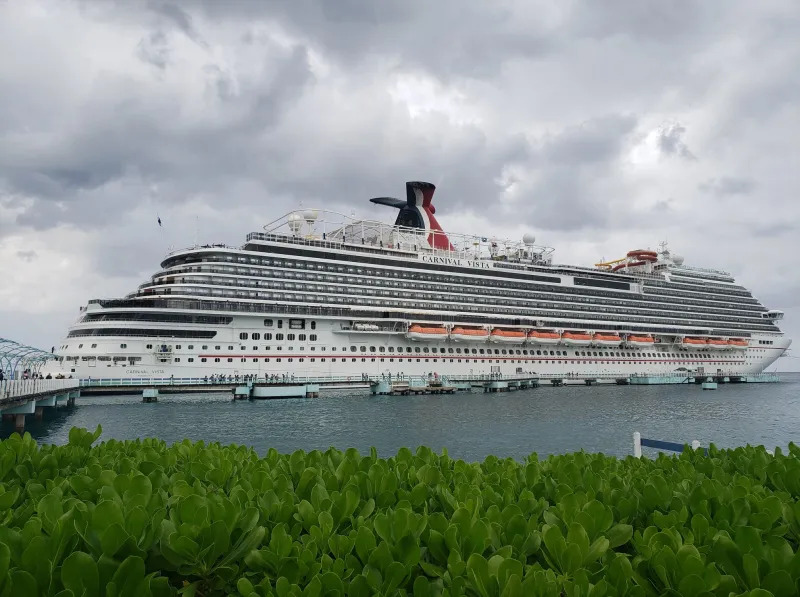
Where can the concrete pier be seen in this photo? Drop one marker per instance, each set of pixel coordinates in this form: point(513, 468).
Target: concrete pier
point(17, 414)
point(148, 395)
point(242, 392)
point(496, 386)
point(272, 391)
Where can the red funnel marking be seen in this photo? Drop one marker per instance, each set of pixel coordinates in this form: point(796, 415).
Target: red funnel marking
point(421, 195)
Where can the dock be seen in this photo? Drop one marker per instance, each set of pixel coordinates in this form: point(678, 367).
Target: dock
point(22, 397)
point(290, 386)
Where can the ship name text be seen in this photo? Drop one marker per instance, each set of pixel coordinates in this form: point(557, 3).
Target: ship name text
point(458, 262)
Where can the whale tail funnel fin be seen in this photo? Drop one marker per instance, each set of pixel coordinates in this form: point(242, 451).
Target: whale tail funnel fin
point(420, 195)
point(390, 201)
point(417, 212)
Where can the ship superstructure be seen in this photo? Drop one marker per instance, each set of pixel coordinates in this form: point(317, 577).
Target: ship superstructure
point(321, 293)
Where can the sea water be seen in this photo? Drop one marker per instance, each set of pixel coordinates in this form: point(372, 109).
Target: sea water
point(469, 425)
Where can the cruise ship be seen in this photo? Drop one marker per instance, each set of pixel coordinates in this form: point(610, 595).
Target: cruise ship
point(319, 293)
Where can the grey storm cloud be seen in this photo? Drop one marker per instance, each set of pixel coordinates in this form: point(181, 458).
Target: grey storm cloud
point(670, 142)
point(727, 185)
point(584, 120)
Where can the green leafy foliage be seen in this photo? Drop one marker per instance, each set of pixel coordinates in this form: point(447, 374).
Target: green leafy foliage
point(141, 518)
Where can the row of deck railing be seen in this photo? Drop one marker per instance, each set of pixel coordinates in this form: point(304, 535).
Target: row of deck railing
point(369, 378)
point(19, 388)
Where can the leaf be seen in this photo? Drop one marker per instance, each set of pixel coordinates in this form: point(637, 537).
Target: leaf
point(113, 539)
point(365, 544)
point(22, 583)
point(130, 576)
point(619, 535)
point(5, 561)
point(79, 574)
point(478, 573)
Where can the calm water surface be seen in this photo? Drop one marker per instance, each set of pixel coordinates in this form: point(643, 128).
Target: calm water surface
point(470, 425)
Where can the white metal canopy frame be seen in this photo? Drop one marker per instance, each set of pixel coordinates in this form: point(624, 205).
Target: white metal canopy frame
point(16, 357)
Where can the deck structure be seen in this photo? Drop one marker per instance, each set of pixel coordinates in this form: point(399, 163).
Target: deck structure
point(22, 397)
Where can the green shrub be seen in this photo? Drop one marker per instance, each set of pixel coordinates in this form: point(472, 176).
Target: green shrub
point(141, 518)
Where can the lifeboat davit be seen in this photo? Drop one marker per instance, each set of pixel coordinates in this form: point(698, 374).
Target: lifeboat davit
point(718, 343)
point(426, 333)
point(507, 336)
point(576, 339)
point(738, 344)
point(640, 341)
point(694, 342)
point(607, 340)
point(537, 337)
point(461, 334)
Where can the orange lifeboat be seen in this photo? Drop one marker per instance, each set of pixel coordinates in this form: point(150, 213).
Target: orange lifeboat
point(507, 336)
point(694, 342)
point(738, 344)
point(640, 341)
point(576, 339)
point(426, 333)
point(718, 343)
point(462, 334)
point(537, 337)
point(607, 340)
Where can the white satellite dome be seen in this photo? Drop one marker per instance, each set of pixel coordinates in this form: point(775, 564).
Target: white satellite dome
point(528, 239)
point(677, 259)
point(295, 222)
point(310, 215)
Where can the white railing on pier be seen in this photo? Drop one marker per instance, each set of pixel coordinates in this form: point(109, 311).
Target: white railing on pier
point(420, 379)
point(20, 388)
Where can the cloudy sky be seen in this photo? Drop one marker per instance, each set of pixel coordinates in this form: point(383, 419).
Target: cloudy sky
point(597, 126)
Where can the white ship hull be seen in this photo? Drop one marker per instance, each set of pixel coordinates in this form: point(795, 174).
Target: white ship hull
point(608, 343)
point(339, 353)
point(468, 338)
point(506, 340)
point(635, 344)
point(423, 337)
point(575, 342)
point(544, 341)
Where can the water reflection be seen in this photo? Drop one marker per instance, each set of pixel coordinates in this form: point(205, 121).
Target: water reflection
point(470, 425)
